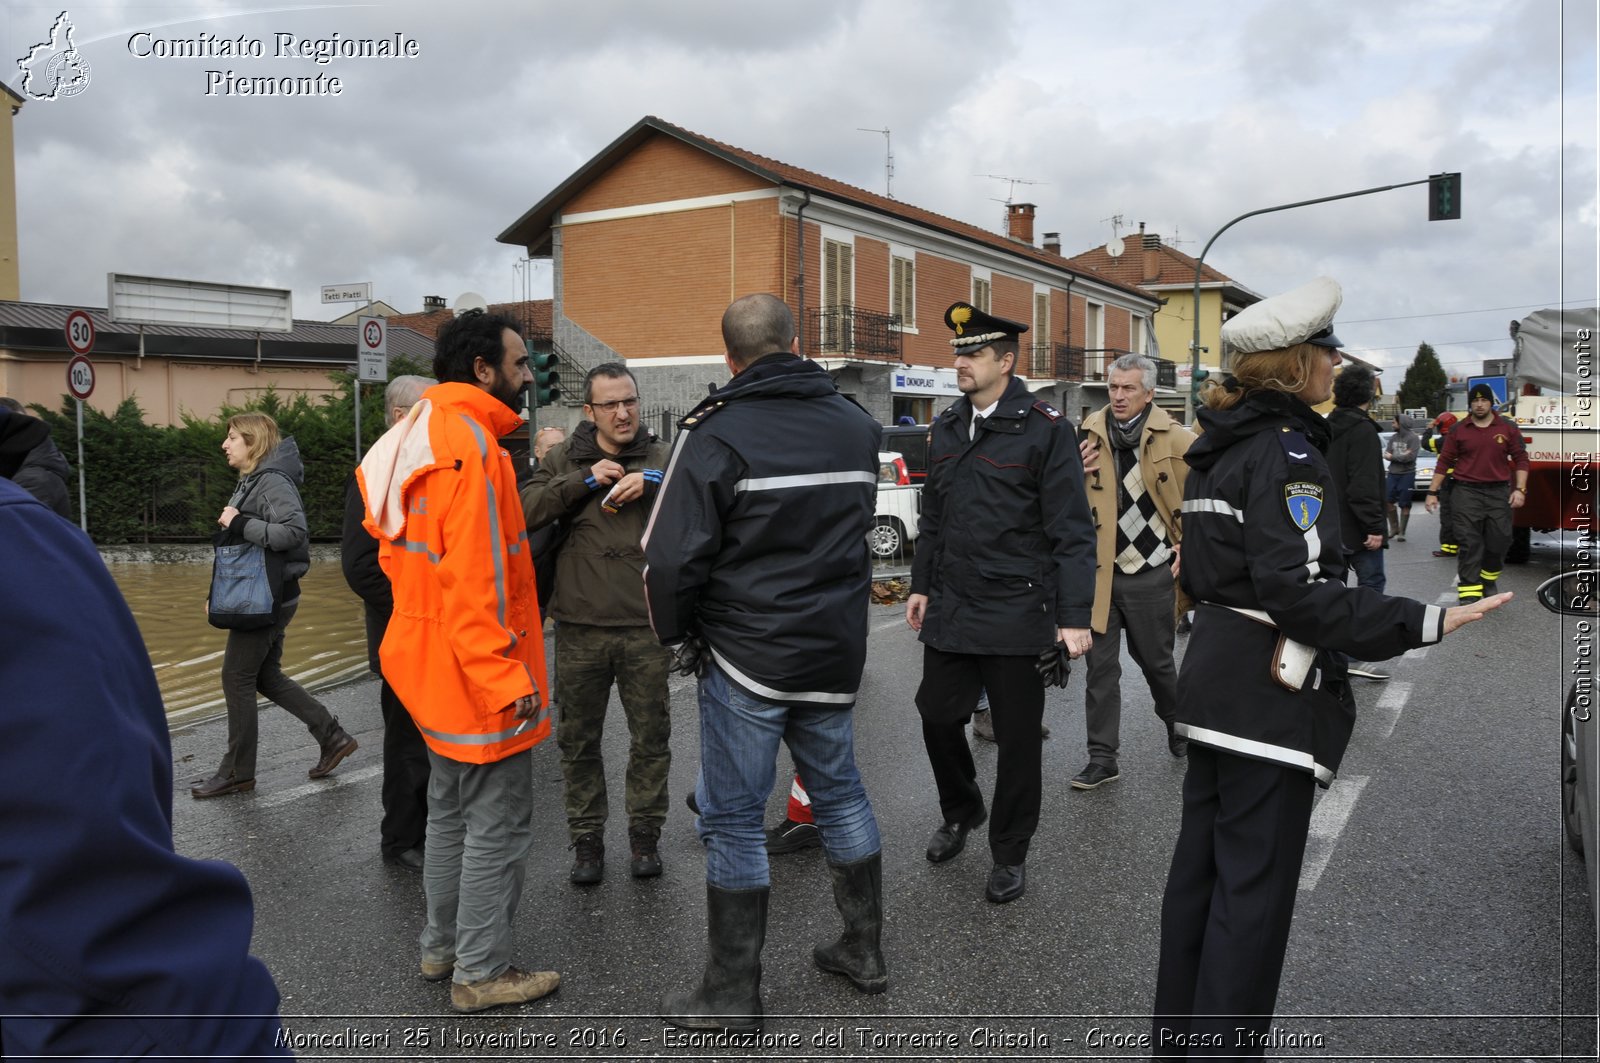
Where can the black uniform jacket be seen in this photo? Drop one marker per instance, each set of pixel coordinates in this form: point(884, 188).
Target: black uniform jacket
point(1355, 458)
point(1005, 551)
point(358, 557)
point(1261, 533)
point(758, 541)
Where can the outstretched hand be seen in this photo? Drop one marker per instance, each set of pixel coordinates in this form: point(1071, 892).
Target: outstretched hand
point(1457, 615)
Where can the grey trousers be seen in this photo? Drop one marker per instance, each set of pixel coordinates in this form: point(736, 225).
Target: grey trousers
point(480, 824)
point(1142, 605)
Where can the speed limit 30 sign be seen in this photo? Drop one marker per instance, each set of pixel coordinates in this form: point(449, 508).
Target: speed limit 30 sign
point(80, 332)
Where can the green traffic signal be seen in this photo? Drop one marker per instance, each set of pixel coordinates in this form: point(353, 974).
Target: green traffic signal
point(546, 377)
point(1444, 197)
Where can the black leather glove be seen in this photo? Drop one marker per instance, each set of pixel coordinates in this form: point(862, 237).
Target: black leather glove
point(1054, 665)
point(691, 657)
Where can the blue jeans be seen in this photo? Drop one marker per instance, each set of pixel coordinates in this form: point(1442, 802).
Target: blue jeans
point(1368, 567)
point(739, 737)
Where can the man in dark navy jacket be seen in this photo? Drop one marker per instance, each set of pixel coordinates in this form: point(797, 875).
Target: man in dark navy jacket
point(757, 562)
point(1004, 571)
point(111, 944)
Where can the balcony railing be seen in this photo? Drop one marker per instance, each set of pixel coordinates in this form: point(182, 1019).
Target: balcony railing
point(849, 332)
point(1077, 364)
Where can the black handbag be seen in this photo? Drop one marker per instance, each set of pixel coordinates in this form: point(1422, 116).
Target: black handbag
point(246, 581)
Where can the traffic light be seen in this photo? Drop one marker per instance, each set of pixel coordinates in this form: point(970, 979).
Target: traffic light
point(546, 378)
point(1200, 377)
point(1444, 197)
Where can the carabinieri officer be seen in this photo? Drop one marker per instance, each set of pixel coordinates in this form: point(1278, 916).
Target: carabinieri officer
point(1262, 698)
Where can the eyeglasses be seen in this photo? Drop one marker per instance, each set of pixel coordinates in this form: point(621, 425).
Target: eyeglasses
point(613, 407)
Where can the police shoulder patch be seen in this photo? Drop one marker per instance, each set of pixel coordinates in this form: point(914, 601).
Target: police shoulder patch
point(1303, 500)
point(1048, 410)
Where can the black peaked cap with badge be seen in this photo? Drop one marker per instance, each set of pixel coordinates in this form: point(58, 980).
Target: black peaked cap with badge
point(976, 328)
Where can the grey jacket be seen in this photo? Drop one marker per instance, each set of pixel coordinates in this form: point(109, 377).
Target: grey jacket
point(268, 501)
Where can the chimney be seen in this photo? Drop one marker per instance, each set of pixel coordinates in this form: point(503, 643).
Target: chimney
point(1019, 222)
point(1150, 250)
point(430, 303)
point(1052, 243)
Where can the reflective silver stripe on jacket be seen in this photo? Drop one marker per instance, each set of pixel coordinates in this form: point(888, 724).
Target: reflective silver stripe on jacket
point(810, 479)
point(496, 546)
point(1212, 505)
point(817, 697)
point(417, 548)
point(486, 739)
point(1249, 747)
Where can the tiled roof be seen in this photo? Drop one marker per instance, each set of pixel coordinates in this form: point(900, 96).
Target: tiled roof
point(1173, 267)
point(533, 314)
point(532, 229)
point(40, 326)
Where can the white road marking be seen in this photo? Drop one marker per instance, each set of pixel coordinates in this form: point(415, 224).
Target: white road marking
point(1328, 820)
point(1387, 711)
point(899, 621)
point(318, 786)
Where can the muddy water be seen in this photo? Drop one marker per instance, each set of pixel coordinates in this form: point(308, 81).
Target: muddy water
point(326, 643)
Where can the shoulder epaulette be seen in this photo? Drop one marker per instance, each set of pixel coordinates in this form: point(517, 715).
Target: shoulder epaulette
point(1296, 448)
point(1048, 410)
point(701, 412)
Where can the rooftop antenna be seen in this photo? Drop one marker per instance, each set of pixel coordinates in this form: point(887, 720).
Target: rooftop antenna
point(1115, 245)
point(888, 159)
point(1011, 191)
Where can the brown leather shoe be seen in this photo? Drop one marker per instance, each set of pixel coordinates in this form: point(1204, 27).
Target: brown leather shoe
point(339, 746)
point(510, 986)
point(432, 971)
point(218, 785)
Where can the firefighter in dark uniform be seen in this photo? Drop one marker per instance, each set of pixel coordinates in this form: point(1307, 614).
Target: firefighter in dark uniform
point(1262, 694)
point(1433, 442)
point(1004, 571)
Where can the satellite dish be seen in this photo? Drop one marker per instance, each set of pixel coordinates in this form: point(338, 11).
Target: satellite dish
point(467, 302)
point(1114, 246)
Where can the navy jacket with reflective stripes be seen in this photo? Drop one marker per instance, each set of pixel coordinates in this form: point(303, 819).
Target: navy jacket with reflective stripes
point(758, 541)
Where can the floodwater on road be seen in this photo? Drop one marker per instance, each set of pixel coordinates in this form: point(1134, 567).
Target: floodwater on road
point(326, 643)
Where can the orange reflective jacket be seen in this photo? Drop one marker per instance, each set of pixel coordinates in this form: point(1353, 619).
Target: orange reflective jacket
point(465, 640)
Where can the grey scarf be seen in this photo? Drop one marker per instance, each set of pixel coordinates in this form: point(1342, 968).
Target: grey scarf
point(1125, 437)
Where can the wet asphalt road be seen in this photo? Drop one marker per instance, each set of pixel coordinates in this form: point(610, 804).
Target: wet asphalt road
point(1440, 913)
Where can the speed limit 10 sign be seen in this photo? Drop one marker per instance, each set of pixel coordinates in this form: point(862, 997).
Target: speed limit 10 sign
point(80, 377)
point(80, 332)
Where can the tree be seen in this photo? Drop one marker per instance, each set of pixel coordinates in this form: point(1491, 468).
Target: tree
point(1424, 383)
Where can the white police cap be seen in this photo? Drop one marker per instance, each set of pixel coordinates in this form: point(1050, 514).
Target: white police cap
point(1302, 315)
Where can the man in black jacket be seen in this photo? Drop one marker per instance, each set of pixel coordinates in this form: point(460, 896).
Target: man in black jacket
point(405, 757)
point(1355, 459)
point(1004, 570)
point(757, 572)
point(40, 468)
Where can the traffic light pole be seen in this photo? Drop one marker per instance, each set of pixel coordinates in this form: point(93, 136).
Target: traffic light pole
point(1194, 346)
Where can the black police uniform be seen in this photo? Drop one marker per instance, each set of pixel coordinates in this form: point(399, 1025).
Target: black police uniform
point(1005, 556)
point(1260, 535)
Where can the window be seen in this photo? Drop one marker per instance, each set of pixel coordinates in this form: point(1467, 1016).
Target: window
point(1094, 339)
point(903, 291)
point(1042, 347)
point(1138, 340)
point(838, 287)
point(980, 293)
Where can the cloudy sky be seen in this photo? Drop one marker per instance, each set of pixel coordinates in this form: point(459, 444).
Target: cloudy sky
point(1178, 115)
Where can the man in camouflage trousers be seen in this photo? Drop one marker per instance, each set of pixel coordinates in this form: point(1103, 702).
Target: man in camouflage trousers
point(602, 482)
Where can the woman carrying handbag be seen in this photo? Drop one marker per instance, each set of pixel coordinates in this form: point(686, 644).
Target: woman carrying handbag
point(266, 507)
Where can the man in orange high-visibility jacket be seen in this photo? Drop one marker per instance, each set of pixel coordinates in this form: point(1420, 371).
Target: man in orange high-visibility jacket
point(465, 650)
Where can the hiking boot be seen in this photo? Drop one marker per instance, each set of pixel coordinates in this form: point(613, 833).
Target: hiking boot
point(436, 972)
point(983, 725)
point(590, 862)
point(338, 746)
point(1096, 775)
point(218, 785)
point(791, 836)
point(510, 986)
point(646, 860)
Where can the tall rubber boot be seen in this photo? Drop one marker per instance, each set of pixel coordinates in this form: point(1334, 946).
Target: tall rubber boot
point(1405, 518)
point(858, 892)
point(729, 997)
point(1391, 511)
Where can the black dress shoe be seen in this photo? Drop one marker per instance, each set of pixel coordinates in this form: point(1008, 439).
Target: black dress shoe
point(218, 785)
point(1177, 745)
point(1006, 883)
point(340, 745)
point(409, 860)
point(951, 838)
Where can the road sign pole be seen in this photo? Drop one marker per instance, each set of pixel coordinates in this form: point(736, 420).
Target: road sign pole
point(83, 498)
point(358, 417)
